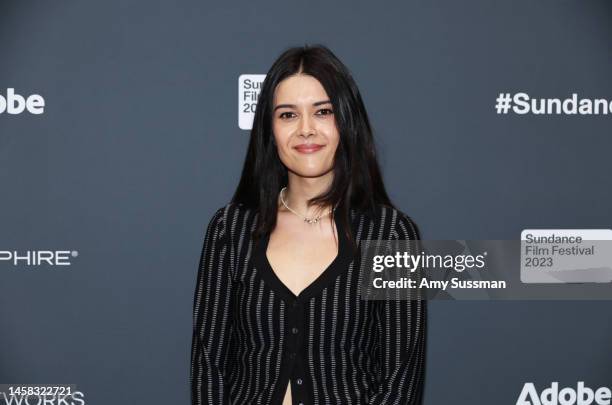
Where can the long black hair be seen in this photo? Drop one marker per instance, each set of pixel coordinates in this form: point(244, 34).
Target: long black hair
point(357, 181)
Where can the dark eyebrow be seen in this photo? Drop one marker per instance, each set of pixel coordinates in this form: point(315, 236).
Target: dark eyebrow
point(293, 105)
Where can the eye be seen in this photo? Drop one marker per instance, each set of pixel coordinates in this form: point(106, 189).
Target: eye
point(285, 115)
point(326, 110)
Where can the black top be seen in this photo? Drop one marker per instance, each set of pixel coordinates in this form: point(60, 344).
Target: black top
point(252, 335)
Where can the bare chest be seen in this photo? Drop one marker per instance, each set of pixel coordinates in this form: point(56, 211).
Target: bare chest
point(298, 259)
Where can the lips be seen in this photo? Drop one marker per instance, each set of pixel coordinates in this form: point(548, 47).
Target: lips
point(308, 148)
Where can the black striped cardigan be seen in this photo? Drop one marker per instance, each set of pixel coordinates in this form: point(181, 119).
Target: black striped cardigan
point(252, 335)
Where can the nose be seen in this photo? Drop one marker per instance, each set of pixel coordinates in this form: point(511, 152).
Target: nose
point(306, 126)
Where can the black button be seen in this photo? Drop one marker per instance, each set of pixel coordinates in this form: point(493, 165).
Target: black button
point(299, 381)
point(292, 355)
point(294, 304)
point(294, 330)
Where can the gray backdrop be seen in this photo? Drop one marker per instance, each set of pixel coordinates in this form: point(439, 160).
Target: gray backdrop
point(139, 144)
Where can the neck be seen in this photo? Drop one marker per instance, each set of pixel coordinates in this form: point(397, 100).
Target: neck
point(301, 189)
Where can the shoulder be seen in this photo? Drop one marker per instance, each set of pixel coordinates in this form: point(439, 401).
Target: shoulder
point(386, 222)
point(399, 224)
point(232, 218)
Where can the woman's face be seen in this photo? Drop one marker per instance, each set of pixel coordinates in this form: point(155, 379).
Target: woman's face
point(304, 126)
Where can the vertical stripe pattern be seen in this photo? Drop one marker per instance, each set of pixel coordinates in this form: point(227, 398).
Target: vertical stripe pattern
point(351, 351)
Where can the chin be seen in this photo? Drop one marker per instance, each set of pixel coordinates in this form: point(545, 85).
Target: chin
point(310, 172)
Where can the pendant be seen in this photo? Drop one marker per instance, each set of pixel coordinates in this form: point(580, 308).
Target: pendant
point(311, 221)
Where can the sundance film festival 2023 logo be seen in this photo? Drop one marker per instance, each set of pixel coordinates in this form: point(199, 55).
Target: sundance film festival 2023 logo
point(13, 103)
point(249, 86)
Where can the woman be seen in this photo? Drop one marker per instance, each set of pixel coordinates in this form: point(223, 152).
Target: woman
point(277, 314)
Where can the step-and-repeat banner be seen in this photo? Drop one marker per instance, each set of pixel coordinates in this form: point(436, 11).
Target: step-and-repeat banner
point(124, 127)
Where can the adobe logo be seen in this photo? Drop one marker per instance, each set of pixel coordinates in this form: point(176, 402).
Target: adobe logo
point(16, 104)
point(583, 395)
